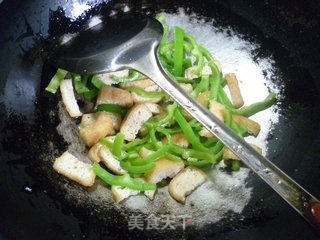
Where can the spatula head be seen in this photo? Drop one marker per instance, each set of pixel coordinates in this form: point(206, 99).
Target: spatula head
point(108, 46)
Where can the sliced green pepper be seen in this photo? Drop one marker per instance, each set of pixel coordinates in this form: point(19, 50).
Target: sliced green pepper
point(144, 93)
point(79, 84)
point(117, 145)
point(91, 93)
point(248, 111)
point(133, 76)
point(186, 128)
point(56, 80)
point(178, 51)
point(124, 180)
point(110, 107)
point(235, 165)
point(136, 169)
point(152, 157)
point(97, 82)
point(135, 143)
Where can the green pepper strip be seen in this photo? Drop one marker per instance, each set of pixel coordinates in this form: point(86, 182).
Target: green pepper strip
point(187, 63)
point(168, 56)
point(85, 78)
point(136, 169)
point(195, 125)
point(228, 118)
point(178, 51)
point(124, 180)
point(117, 145)
point(164, 132)
point(170, 110)
point(186, 128)
point(97, 82)
point(164, 36)
point(174, 130)
point(166, 47)
point(132, 155)
point(202, 163)
point(135, 143)
point(110, 145)
point(56, 80)
point(203, 85)
point(106, 143)
point(187, 153)
point(110, 107)
point(152, 157)
point(184, 80)
point(91, 93)
point(79, 84)
point(235, 165)
point(248, 111)
point(210, 141)
point(241, 130)
point(197, 53)
point(133, 76)
point(206, 53)
point(146, 94)
point(219, 145)
point(187, 46)
point(215, 81)
point(152, 134)
point(223, 98)
point(160, 17)
point(165, 64)
point(172, 157)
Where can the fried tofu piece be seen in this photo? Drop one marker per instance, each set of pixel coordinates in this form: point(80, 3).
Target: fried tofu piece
point(253, 127)
point(229, 155)
point(144, 152)
point(190, 72)
point(121, 193)
point(185, 182)
point(154, 108)
point(114, 95)
point(203, 97)
point(69, 99)
point(110, 161)
point(139, 99)
point(218, 110)
point(88, 119)
point(235, 92)
point(95, 126)
point(148, 193)
point(141, 83)
point(134, 120)
point(107, 79)
point(93, 153)
point(116, 120)
point(187, 87)
point(72, 168)
point(206, 70)
point(164, 168)
point(178, 139)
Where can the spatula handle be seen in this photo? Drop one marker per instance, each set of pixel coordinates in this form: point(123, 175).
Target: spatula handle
point(302, 201)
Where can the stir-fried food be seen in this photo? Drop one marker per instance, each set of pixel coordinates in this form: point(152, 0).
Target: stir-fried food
point(138, 138)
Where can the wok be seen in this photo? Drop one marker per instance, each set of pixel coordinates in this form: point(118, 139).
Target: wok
point(36, 203)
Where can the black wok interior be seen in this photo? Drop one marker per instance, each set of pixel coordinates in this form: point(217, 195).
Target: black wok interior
point(34, 203)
